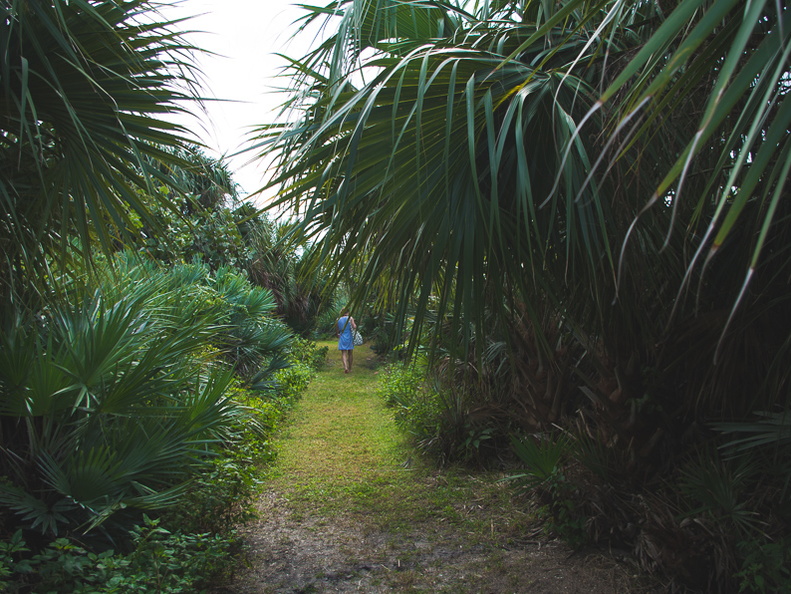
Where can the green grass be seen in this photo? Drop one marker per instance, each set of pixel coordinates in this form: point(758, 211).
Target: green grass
point(343, 454)
point(384, 519)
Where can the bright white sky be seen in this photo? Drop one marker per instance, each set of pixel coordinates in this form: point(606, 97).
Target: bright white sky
point(246, 34)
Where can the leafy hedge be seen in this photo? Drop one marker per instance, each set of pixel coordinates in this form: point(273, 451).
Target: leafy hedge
point(182, 546)
point(189, 546)
point(435, 414)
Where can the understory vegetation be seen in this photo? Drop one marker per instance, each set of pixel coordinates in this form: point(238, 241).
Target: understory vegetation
point(138, 429)
point(151, 341)
point(713, 515)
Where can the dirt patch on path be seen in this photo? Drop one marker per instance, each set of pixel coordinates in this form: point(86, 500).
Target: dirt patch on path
point(289, 552)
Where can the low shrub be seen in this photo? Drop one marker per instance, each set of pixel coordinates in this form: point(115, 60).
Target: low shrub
point(189, 544)
point(437, 418)
point(161, 561)
point(766, 565)
point(219, 499)
point(401, 386)
point(290, 383)
point(543, 459)
point(308, 353)
point(415, 408)
point(382, 334)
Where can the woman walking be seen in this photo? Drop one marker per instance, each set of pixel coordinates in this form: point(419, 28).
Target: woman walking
point(346, 327)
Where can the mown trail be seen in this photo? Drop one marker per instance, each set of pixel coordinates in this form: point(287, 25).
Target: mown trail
point(349, 508)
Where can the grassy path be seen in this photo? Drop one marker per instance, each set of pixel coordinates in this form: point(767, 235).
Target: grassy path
point(348, 507)
point(343, 445)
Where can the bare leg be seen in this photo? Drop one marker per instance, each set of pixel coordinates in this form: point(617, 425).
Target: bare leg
point(351, 359)
point(345, 360)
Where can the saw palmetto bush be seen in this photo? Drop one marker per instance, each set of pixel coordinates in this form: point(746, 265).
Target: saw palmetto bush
point(253, 340)
point(117, 382)
point(600, 186)
point(106, 408)
point(113, 398)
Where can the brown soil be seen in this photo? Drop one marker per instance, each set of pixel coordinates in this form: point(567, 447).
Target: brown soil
point(311, 554)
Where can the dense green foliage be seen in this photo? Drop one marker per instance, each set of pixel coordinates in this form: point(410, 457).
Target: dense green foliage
point(277, 262)
point(190, 542)
point(584, 207)
point(85, 88)
point(436, 414)
point(579, 208)
point(403, 388)
point(115, 395)
point(138, 390)
point(195, 211)
point(162, 561)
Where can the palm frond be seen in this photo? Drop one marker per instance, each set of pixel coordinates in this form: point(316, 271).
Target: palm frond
point(86, 87)
point(436, 165)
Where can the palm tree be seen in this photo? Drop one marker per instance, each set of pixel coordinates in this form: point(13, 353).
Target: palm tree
point(594, 195)
point(86, 86)
point(553, 176)
point(206, 180)
point(278, 263)
point(444, 164)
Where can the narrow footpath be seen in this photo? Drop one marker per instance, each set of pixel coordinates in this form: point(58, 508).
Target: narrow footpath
point(348, 507)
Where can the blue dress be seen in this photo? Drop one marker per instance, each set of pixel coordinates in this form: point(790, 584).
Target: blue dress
point(345, 341)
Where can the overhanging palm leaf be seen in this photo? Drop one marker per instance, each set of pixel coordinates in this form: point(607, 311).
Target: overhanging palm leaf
point(737, 54)
point(441, 165)
point(465, 169)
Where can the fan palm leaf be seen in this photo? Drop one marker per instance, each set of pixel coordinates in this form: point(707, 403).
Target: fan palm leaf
point(442, 164)
point(86, 88)
point(547, 161)
point(743, 120)
point(114, 402)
